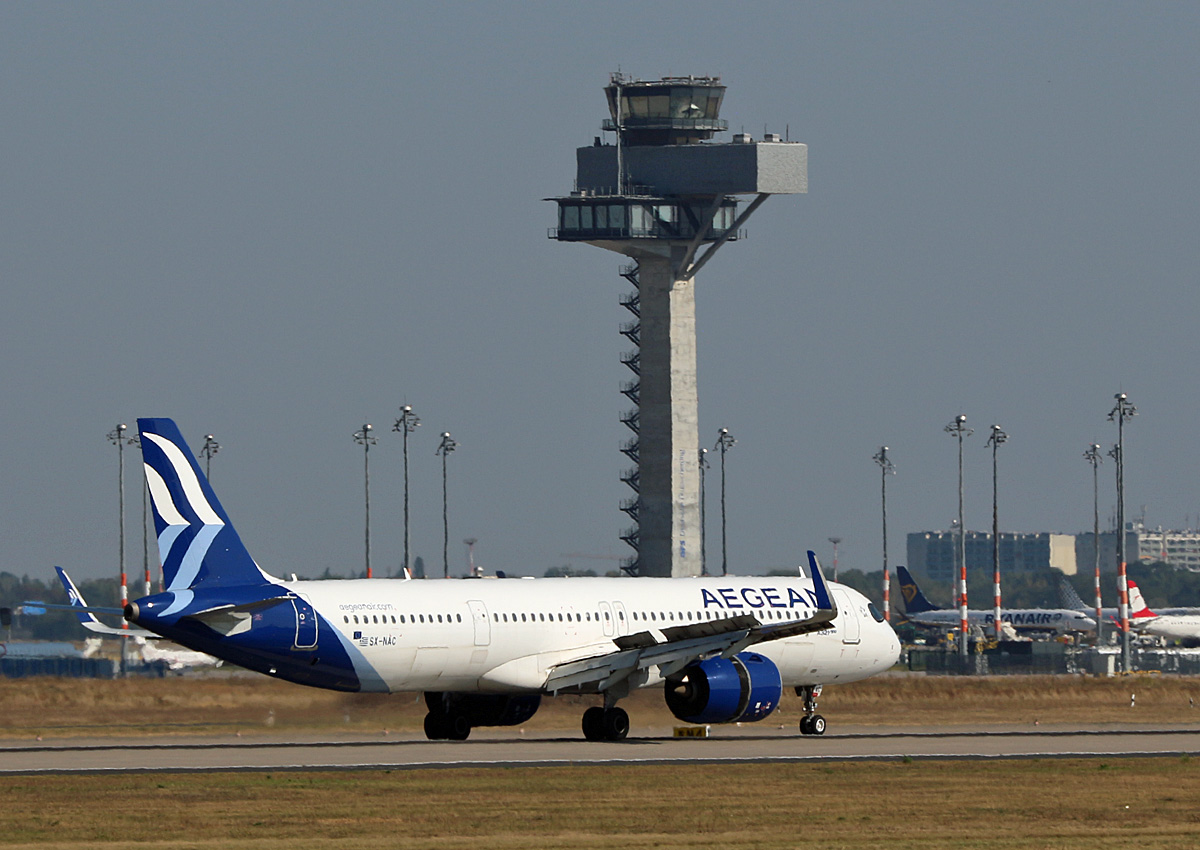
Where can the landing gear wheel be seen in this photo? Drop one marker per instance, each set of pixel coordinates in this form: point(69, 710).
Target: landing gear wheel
point(458, 728)
point(437, 727)
point(816, 725)
point(615, 724)
point(805, 729)
point(593, 723)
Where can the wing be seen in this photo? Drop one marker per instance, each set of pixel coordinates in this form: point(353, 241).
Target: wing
point(683, 645)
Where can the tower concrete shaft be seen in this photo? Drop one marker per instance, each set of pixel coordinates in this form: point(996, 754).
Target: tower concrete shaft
point(669, 436)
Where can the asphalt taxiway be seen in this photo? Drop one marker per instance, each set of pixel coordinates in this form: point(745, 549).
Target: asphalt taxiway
point(511, 750)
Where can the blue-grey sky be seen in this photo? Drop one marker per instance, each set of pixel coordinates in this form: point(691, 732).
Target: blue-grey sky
point(274, 222)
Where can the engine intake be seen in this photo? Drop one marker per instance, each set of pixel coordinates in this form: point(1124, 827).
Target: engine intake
point(744, 688)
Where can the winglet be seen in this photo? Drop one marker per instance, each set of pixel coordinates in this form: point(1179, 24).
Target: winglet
point(84, 612)
point(819, 587)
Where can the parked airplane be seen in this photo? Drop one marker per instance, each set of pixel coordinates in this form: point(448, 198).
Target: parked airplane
point(1185, 627)
point(1137, 604)
point(921, 611)
point(485, 651)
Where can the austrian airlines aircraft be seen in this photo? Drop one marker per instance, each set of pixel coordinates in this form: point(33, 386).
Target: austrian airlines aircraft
point(485, 651)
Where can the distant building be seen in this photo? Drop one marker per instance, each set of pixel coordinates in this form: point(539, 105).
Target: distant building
point(1180, 549)
point(934, 554)
point(1085, 550)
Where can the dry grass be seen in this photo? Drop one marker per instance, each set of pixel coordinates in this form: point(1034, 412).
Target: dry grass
point(222, 704)
point(1068, 804)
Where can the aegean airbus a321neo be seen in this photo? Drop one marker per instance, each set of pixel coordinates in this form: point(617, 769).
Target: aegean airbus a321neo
point(484, 651)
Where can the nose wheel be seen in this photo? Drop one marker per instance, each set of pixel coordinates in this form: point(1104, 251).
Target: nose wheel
point(811, 723)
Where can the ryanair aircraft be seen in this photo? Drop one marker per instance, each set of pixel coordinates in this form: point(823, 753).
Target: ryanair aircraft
point(484, 652)
point(921, 611)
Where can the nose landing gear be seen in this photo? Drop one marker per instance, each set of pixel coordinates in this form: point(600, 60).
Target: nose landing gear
point(811, 723)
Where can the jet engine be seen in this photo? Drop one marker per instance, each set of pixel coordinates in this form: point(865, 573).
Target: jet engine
point(744, 688)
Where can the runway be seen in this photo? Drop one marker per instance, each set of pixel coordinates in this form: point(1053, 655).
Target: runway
point(510, 750)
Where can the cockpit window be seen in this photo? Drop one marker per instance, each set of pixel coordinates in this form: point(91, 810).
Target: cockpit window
point(875, 612)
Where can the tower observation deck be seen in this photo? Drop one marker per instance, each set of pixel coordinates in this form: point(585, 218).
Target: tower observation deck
point(666, 196)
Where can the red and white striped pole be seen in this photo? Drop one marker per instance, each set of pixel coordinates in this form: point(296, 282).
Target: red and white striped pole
point(117, 437)
point(997, 438)
point(958, 427)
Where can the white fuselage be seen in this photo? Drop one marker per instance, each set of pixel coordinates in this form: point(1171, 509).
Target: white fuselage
point(505, 635)
point(1177, 626)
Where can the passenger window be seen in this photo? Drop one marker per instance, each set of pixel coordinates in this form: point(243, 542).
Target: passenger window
point(459, 616)
point(439, 618)
point(347, 619)
point(522, 618)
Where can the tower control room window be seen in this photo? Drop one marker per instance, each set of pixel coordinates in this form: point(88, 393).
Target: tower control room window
point(570, 218)
point(585, 218)
point(616, 217)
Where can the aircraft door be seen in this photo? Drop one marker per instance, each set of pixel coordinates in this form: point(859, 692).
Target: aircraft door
point(847, 618)
point(607, 619)
point(622, 618)
point(483, 627)
point(306, 624)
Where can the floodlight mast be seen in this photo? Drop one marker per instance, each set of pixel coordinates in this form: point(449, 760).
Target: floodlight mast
point(667, 196)
point(117, 437)
point(1092, 455)
point(445, 447)
point(996, 440)
point(886, 468)
point(366, 439)
point(958, 428)
point(406, 424)
point(725, 441)
point(835, 541)
point(1121, 411)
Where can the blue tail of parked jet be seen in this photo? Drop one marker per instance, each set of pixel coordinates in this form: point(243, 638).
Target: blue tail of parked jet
point(197, 544)
point(914, 600)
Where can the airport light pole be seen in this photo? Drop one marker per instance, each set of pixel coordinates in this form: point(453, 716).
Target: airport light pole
point(1093, 457)
point(725, 441)
point(117, 437)
point(886, 468)
point(958, 427)
point(444, 448)
point(406, 424)
point(703, 527)
point(136, 442)
point(996, 440)
point(366, 439)
point(1121, 411)
point(210, 448)
point(835, 541)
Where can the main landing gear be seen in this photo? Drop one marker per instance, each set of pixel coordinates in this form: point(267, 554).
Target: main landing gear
point(605, 724)
point(444, 722)
point(811, 723)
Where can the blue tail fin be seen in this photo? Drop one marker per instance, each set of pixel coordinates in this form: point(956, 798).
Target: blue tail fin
point(914, 600)
point(196, 541)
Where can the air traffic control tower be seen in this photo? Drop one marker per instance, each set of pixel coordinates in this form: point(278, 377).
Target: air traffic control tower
point(664, 195)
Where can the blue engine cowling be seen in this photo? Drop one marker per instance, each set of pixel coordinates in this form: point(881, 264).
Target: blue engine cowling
point(485, 709)
point(744, 688)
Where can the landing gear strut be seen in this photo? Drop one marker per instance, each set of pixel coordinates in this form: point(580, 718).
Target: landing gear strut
point(605, 724)
point(811, 723)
